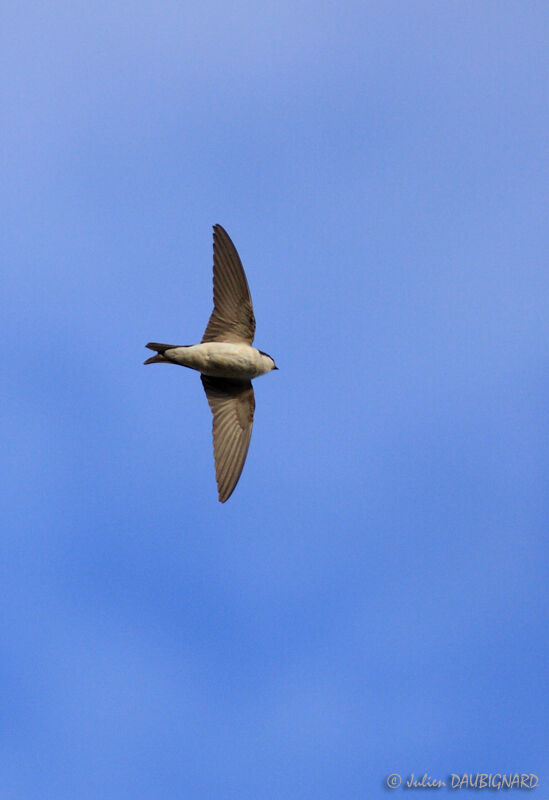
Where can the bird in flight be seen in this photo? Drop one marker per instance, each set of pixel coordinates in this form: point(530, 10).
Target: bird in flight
point(227, 362)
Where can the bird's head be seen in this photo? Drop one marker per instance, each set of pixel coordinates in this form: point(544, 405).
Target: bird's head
point(269, 361)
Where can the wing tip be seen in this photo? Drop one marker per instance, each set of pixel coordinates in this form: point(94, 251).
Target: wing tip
point(224, 494)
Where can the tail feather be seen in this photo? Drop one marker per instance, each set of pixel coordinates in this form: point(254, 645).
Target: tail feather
point(160, 348)
point(159, 358)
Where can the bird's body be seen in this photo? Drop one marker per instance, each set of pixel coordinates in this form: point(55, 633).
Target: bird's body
point(227, 363)
point(220, 359)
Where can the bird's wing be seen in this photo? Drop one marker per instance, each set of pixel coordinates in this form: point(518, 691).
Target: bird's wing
point(232, 404)
point(232, 318)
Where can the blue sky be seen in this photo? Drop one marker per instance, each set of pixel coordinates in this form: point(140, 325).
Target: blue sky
point(373, 597)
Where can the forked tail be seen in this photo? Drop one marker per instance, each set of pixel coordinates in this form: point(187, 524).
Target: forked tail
point(159, 358)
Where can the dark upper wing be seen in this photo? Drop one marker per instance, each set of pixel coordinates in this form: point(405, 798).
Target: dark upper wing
point(232, 404)
point(232, 318)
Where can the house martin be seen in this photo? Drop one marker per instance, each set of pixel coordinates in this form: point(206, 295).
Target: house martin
point(227, 362)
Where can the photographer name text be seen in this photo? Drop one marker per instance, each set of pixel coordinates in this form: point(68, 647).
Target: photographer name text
point(479, 780)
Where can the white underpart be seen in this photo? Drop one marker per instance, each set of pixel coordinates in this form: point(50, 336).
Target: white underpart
point(223, 360)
